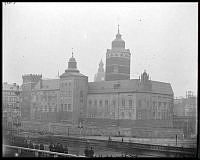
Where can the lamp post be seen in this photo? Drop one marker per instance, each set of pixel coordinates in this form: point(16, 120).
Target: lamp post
point(80, 127)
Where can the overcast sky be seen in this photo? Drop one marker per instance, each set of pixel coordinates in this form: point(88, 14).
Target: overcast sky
point(162, 37)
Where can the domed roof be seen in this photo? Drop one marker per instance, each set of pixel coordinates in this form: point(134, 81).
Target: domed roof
point(118, 42)
point(72, 59)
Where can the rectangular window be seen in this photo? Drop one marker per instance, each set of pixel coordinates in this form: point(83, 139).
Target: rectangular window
point(123, 102)
point(100, 103)
point(66, 107)
point(130, 103)
point(69, 107)
point(130, 115)
point(106, 103)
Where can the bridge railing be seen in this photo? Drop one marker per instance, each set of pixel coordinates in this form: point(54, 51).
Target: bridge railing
point(38, 152)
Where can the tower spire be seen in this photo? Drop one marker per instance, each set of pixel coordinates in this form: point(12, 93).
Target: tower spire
point(72, 53)
point(118, 28)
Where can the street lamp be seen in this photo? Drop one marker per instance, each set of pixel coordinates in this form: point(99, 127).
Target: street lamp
point(80, 127)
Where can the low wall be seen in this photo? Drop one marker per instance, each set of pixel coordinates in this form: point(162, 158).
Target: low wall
point(68, 129)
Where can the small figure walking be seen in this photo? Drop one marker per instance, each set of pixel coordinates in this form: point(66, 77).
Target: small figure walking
point(91, 153)
point(86, 151)
point(122, 139)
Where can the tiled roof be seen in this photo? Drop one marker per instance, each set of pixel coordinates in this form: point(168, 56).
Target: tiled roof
point(49, 84)
point(127, 86)
point(162, 87)
point(68, 74)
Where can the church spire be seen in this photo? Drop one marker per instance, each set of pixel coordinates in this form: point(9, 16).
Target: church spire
point(72, 53)
point(118, 28)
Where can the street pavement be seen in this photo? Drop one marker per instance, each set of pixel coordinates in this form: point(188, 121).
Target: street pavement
point(155, 141)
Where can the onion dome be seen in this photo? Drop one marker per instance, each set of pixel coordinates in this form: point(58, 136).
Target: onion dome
point(72, 65)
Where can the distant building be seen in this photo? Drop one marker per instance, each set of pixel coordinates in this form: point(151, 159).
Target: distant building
point(117, 106)
point(11, 105)
point(29, 82)
point(186, 106)
point(185, 114)
point(100, 76)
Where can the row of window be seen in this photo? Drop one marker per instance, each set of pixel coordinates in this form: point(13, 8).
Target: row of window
point(118, 55)
point(66, 84)
point(9, 93)
point(10, 99)
point(122, 115)
point(47, 109)
point(66, 94)
point(66, 107)
point(123, 103)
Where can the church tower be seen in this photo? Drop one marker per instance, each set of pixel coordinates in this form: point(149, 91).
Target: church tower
point(73, 94)
point(117, 60)
point(100, 76)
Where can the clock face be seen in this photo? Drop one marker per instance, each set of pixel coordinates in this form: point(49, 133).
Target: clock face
point(102, 78)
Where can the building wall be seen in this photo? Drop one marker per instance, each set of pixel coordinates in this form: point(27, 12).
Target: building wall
point(11, 107)
point(117, 64)
point(73, 92)
point(45, 105)
point(29, 82)
point(112, 106)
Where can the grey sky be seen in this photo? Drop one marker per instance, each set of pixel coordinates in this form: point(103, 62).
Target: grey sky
point(162, 38)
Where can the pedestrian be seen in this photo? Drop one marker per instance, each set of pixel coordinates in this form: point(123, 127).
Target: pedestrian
point(66, 149)
point(122, 139)
point(36, 146)
point(54, 148)
point(86, 151)
point(31, 145)
point(41, 148)
point(25, 143)
point(61, 148)
point(57, 146)
point(51, 147)
point(91, 152)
